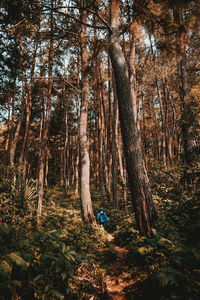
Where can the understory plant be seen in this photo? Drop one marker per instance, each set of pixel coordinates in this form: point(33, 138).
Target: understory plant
point(52, 262)
point(168, 263)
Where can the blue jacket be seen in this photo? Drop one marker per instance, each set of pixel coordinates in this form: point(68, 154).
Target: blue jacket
point(102, 217)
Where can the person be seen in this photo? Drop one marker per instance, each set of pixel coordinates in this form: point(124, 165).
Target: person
point(102, 218)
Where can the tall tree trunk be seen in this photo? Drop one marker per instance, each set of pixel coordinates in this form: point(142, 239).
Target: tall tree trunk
point(137, 176)
point(132, 71)
point(42, 162)
point(173, 133)
point(122, 171)
point(187, 130)
point(15, 138)
point(65, 149)
point(101, 165)
point(23, 154)
point(115, 120)
point(77, 156)
point(11, 122)
point(86, 203)
point(76, 171)
point(161, 140)
point(65, 154)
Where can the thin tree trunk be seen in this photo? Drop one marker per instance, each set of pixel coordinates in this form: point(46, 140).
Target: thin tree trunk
point(132, 72)
point(122, 170)
point(65, 150)
point(187, 131)
point(76, 171)
point(114, 151)
point(173, 137)
point(101, 141)
point(16, 138)
point(9, 126)
point(77, 160)
point(86, 203)
point(14, 141)
point(23, 154)
point(45, 130)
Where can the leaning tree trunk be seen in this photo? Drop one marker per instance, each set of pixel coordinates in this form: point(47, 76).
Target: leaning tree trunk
point(137, 176)
point(86, 203)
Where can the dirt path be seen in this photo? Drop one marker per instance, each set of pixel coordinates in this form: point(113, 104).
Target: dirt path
point(116, 280)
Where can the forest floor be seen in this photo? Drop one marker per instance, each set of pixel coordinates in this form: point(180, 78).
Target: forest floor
point(117, 282)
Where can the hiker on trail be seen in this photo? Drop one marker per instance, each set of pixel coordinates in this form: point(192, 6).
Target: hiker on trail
point(102, 218)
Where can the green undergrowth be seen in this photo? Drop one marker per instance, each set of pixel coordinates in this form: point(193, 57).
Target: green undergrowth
point(168, 264)
point(59, 259)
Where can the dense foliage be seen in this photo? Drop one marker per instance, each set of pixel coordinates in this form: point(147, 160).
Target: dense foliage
point(40, 262)
point(169, 263)
point(62, 258)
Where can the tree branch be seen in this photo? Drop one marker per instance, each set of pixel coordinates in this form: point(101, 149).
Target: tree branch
point(76, 19)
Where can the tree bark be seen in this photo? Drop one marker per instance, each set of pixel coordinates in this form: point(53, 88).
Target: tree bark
point(86, 203)
point(137, 176)
point(15, 138)
point(115, 119)
point(186, 128)
point(45, 129)
point(65, 149)
point(77, 156)
point(23, 154)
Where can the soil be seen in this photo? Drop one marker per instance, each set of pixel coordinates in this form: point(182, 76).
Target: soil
point(117, 281)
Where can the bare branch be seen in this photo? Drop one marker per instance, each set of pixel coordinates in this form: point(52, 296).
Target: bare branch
point(72, 86)
point(14, 26)
point(97, 13)
point(66, 14)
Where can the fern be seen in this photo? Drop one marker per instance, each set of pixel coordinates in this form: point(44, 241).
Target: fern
point(170, 276)
point(25, 194)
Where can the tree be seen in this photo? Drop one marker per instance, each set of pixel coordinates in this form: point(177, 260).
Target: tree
point(60, 100)
point(86, 202)
point(137, 175)
point(43, 158)
point(189, 141)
